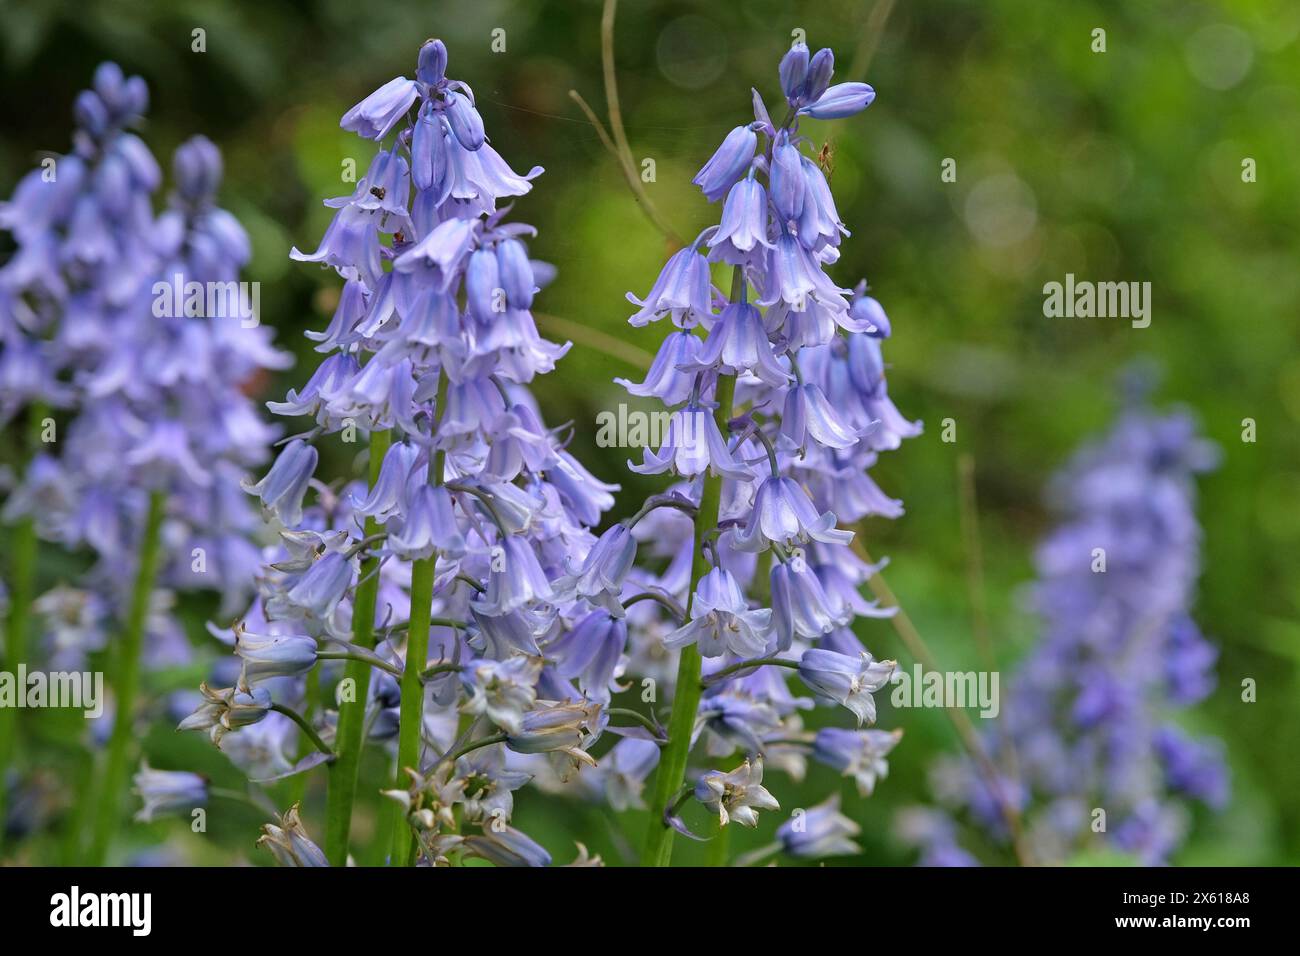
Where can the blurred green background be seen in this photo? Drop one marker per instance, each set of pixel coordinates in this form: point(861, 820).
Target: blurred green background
point(1123, 165)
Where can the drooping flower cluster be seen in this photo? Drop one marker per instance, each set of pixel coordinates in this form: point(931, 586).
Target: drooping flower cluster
point(778, 411)
point(1089, 723)
point(105, 317)
point(432, 345)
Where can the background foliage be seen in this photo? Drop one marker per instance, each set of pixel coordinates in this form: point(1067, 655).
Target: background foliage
point(1124, 165)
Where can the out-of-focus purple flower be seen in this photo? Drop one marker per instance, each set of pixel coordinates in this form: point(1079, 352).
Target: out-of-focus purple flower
point(1087, 715)
point(820, 831)
point(506, 846)
point(859, 754)
point(168, 791)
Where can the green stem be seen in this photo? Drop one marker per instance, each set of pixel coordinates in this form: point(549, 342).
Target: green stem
point(646, 722)
point(348, 736)
point(750, 664)
point(417, 659)
point(718, 849)
point(478, 745)
point(22, 588)
point(437, 669)
point(412, 699)
point(686, 697)
point(304, 726)
point(371, 661)
point(298, 784)
point(127, 680)
point(661, 598)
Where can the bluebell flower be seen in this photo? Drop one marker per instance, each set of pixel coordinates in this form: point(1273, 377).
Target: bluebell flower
point(693, 446)
point(168, 791)
point(591, 652)
point(350, 244)
point(518, 280)
point(563, 730)
point(606, 567)
point(431, 63)
point(153, 383)
point(728, 164)
point(859, 754)
point(385, 497)
point(820, 831)
point(487, 785)
point(466, 124)
point(819, 220)
point(839, 101)
point(270, 656)
point(800, 607)
point(227, 709)
point(516, 580)
point(289, 843)
point(623, 772)
point(1193, 768)
point(794, 71)
point(739, 343)
point(787, 459)
point(869, 313)
point(682, 291)
point(722, 621)
point(316, 594)
point(737, 795)
point(744, 225)
point(503, 691)
point(1088, 712)
point(787, 180)
point(784, 514)
point(809, 415)
point(820, 69)
point(735, 718)
point(666, 380)
point(379, 112)
point(847, 681)
point(428, 151)
point(428, 525)
point(506, 846)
